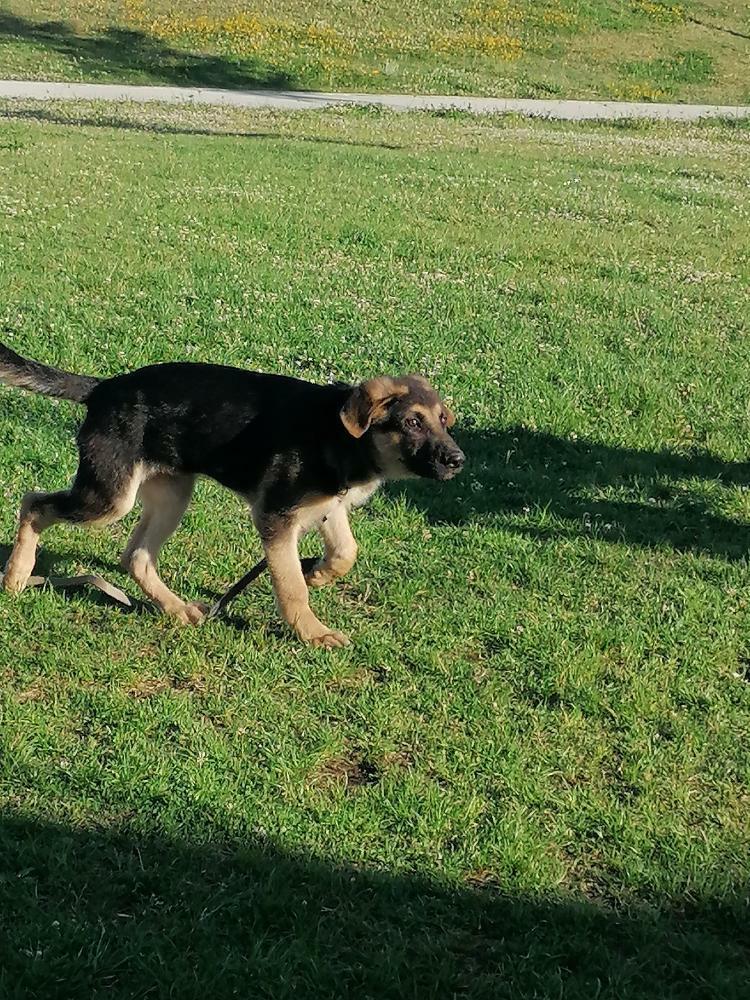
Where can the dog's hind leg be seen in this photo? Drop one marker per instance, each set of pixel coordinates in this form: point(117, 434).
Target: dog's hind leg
point(91, 500)
point(165, 499)
point(340, 549)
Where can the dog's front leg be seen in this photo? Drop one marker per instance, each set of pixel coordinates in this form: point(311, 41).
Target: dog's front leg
point(291, 590)
point(340, 549)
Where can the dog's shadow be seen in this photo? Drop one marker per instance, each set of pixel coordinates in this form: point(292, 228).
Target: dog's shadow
point(47, 565)
point(544, 486)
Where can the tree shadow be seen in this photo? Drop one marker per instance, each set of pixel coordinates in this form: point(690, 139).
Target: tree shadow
point(717, 27)
point(94, 120)
point(545, 486)
point(123, 915)
point(128, 50)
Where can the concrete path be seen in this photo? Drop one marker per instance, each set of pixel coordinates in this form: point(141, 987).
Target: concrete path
point(302, 100)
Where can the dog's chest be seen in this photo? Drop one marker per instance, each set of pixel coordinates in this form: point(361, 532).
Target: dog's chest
point(355, 496)
point(317, 511)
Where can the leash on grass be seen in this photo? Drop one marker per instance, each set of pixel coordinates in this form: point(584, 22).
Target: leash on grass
point(237, 588)
point(87, 580)
point(121, 598)
point(244, 581)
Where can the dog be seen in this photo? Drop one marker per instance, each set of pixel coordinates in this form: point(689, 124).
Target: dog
point(300, 454)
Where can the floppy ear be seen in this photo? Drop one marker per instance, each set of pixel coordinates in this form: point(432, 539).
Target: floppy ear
point(368, 402)
point(450, 416)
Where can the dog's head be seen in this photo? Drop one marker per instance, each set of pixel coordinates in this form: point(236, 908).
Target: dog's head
point(408, 425)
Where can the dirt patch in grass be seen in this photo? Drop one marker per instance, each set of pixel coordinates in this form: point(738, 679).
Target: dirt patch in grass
point(347, 770)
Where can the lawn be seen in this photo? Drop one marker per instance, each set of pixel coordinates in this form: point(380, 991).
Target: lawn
point(528, 777)
point(698, 50)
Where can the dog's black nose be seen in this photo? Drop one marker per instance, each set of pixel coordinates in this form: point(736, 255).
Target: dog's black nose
point(455, 459)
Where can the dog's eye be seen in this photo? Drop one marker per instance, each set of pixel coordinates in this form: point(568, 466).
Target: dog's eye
point(443, 419)
point(413, 422)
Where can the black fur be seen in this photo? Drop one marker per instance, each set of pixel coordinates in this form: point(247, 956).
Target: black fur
point(26, 374)
point(299, 453)
point(232, 425)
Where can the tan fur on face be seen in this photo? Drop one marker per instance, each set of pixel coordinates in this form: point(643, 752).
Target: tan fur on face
point(368, 402)
point(387, 447)
point(421, 380)
point(433, 414)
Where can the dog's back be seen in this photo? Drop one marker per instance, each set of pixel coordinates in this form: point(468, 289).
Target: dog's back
point(212, 420)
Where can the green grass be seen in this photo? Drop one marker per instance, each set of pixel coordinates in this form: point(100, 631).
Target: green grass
point(684, 67)
point(528, 775)
point(641, 50)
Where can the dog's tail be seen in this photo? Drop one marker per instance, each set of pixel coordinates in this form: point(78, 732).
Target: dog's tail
point(30, 375)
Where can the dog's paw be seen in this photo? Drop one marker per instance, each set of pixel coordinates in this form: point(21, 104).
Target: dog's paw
point(330, 640)
point(196, 611)
point(312, 631)
point(191, 613)
point(319, 576)
point(13, 583)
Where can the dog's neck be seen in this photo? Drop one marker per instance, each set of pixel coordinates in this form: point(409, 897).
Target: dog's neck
point(351, 462)
point(352, 465)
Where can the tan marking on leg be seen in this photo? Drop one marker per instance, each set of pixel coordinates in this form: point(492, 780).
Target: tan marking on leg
point(340, 549)
point(124, 503)
point(41, 510)
point(31, 523)
point(165, 499)
point(292, 595)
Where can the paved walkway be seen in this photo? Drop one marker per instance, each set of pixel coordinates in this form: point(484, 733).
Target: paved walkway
point(302, 100)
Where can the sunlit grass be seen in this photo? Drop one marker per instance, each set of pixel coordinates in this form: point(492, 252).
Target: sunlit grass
point(638, 50)
point(528, 775)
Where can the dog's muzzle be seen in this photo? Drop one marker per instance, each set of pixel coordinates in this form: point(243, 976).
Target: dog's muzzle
point(449, 463)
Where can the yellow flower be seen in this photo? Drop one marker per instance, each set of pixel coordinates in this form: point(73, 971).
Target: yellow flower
point(659, 11)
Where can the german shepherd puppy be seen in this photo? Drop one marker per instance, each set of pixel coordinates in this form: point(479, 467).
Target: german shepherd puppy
point(300, 454)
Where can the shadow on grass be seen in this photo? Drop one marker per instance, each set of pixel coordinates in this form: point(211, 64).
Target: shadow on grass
point(119, 52)
point(537, 480)
point(94, 914)
point(717, 27)
point(159, 128)
point(49, 561)
point(544, 486)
